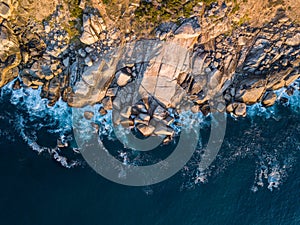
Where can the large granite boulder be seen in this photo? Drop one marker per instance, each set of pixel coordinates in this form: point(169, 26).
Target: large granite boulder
point(92, 27)
point(10, 56)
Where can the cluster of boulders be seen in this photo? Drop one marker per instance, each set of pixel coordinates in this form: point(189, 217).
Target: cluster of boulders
point(10, 55)
point(201, 65)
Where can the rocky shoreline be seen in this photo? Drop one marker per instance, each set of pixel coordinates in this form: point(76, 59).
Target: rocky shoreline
point(208, 60)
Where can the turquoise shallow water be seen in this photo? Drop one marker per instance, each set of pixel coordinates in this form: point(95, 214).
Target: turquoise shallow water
point(258, 150)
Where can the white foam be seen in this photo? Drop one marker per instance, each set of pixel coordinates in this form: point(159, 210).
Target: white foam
point(270, 170)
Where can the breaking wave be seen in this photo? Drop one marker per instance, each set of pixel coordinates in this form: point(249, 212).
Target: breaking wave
point(269, 136)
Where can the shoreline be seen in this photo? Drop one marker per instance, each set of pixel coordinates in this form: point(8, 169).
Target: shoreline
point(206, 63)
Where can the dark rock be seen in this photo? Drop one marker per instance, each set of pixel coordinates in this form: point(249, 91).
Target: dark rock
point(269, 99)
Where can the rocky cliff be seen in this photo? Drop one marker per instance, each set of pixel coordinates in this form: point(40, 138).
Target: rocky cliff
point(213, 55)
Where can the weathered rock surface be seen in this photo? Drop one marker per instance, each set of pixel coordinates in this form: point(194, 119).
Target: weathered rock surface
point(5, 10)
point(10, 56)
point(123, 79)
point(269, 99)
point(202, 65)
point(92, 27)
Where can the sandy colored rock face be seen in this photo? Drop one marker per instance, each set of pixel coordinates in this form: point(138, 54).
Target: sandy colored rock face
point(251, 96)
point(123, 79)
point(9, 47)
point(146, 130)
point(241, 109)
point(40, 9)
point(5, 10)
point(91, 29)
point(236, 50)
point(294, 41)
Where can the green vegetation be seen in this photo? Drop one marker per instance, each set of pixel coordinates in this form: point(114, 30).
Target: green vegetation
point(245, 19)
point(74, 9)
point(74, 25)
point(236, 6)
point(165, 10)
point(151, 14)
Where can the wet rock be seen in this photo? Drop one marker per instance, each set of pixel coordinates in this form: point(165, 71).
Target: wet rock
point(126, 112)
point(269, 99)
point(284, 100)
point(290, 79)
point(205, 109)
point(160, 113)
point(51, 90)
point(251, 96)
point(102, 111)
point(144, 117)
point(127, 123)
point(88, 115)
point(145, 130)
point(240, 66)
point(195, 108)
point(163, 130)
point(241, 109)
point(61, 144)
point(17, 84)
point(231, 107)
point(290, 91)
point(107, 103)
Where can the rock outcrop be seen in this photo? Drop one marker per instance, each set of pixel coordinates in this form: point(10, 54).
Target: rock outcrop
point(10, 56)
point(215, 60)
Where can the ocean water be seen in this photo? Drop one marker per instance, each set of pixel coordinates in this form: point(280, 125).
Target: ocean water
point(254, 179)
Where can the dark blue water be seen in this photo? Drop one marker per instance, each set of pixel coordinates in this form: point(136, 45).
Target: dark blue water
point(35, 189)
